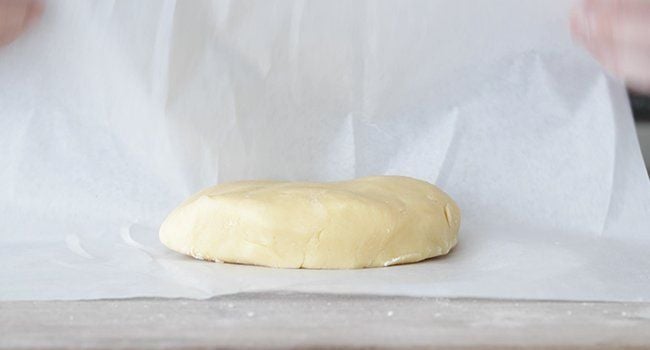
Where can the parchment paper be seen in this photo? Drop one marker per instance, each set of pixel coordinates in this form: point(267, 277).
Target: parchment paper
point(113, 112)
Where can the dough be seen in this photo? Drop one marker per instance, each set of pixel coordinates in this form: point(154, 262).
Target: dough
point(368, 222)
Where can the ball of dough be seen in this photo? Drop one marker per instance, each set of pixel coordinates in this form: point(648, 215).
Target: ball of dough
point(368, 222)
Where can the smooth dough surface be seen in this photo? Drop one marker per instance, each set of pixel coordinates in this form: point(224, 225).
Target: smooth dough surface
point(367, 222)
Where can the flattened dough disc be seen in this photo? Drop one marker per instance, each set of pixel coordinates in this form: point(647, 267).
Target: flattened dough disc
point(368, 222)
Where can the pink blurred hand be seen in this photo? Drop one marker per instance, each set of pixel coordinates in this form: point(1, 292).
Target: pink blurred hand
point(16, 16)
point(617, 33)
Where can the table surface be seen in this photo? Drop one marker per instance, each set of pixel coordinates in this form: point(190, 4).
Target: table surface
point(280, 320)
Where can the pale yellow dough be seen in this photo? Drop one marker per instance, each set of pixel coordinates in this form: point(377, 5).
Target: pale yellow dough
point(368, 222)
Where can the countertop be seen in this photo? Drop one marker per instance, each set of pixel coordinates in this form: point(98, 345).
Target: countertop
point(281, 320)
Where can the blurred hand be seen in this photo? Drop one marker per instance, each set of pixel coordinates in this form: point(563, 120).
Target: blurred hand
point(617, 33)
point(16, 16)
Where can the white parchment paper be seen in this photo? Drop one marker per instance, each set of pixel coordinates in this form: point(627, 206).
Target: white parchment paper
point(113, 112)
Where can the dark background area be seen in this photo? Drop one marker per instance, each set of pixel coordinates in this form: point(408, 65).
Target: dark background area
point(641, 110)
point(641, 107)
